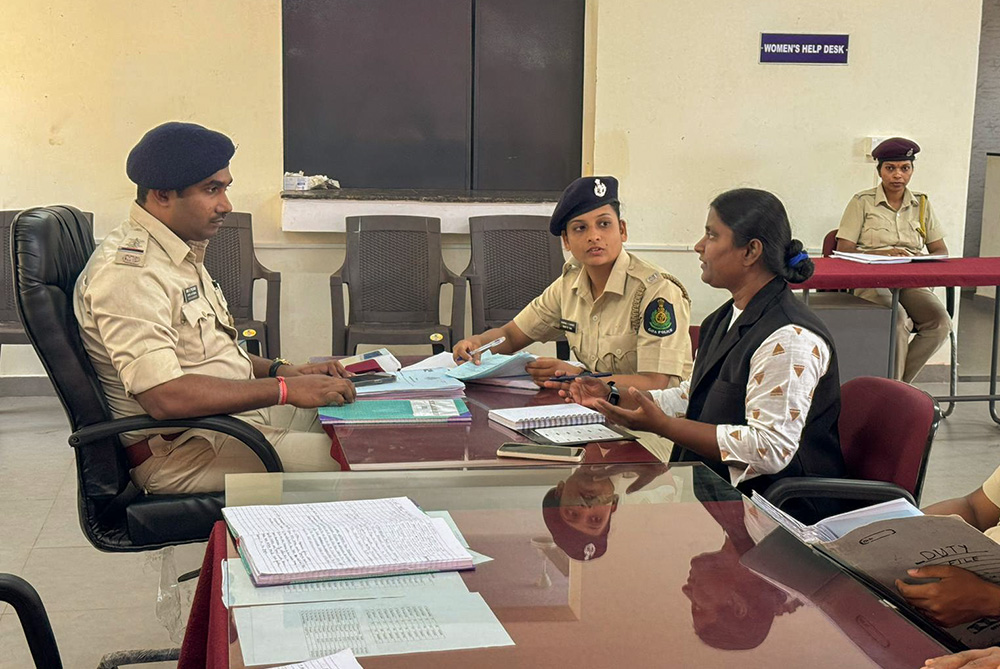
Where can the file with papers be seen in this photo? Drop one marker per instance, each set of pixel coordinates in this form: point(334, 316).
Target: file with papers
point(297, 543)
point(898, 537)
point(390, 412)
point(492, 366)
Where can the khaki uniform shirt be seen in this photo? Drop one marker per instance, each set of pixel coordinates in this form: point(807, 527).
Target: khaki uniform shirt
point(871, 223)
point(639, 324)
point(149, 312)
point(992, 490)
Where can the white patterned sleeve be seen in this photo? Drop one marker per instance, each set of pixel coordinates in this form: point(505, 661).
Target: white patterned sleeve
point(784, 373)
point(673, 401)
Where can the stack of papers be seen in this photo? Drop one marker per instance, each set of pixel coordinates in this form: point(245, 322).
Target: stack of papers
point(297, 543)
point(371, 616)
point(388, 412)
point(876, 259)
point(419, 384)
point(834, 527)
point(493, 366)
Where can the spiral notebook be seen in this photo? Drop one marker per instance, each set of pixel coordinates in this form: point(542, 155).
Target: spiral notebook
point(548, 415)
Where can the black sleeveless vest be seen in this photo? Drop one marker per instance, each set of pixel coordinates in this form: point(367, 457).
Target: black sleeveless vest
point(719, 382)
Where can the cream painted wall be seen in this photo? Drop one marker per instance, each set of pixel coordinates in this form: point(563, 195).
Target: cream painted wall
point(684, 110)
point(678, 107)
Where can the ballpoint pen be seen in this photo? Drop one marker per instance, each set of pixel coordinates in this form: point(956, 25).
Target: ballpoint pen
point(486, 347)
point(587, 375)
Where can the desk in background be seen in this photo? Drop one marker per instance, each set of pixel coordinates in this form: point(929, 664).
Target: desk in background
point(837, 274)
point(659, 596)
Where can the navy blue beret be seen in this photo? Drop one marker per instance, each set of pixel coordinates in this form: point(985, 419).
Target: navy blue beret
point(176, 155)
point(574, 543)
point(583, 195)
point(896, 148)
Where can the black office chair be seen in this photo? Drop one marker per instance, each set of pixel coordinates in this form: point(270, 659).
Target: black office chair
point(50, 247)
point(394, 272)
point(231, 261)
point(28, 605)
point(514, 258)
point(11, 330)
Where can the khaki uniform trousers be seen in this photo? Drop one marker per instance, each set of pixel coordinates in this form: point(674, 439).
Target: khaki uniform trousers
point(197, 464)
point(928, 320)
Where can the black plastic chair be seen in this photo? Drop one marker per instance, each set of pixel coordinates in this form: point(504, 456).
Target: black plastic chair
point(50, 247)
point(394, 272)
point(232, 262)
point(514, 259)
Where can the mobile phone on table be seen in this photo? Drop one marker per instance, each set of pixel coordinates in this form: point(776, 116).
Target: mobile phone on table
point(372, 378)
point(541, 452)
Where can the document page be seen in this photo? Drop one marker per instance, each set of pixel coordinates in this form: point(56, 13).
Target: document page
point(343, 660)
point(342, 539)
point(577, 434)
point(239, 590)
point(291, 633)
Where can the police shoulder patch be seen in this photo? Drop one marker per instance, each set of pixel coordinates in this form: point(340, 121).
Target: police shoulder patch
point(659, 320)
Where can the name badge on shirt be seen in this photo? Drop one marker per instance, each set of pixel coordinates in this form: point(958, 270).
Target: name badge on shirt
point(191, 293)
point(567, 326)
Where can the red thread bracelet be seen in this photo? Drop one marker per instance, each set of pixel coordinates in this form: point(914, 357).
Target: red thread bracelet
point(282, 390)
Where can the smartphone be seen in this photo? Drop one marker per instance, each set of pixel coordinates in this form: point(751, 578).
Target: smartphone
point(372, 378)
point(541, 452)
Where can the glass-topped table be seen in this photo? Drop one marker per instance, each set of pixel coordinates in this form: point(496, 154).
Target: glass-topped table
point(628, 565)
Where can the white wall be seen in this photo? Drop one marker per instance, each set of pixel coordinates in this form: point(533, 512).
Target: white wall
point(684, 110)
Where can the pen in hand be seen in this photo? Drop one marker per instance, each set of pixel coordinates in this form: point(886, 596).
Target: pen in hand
point(588, 375)
point(485, 347)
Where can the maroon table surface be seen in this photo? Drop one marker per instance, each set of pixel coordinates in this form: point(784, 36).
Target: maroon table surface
point(836, 274)
point(696, 578)
point(460, 445)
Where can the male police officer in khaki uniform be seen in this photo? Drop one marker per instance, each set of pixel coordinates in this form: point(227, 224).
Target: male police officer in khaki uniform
point(620, 314)
point(890, 219)
point(161, 337)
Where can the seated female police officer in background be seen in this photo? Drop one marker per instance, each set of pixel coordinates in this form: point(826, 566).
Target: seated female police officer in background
point(892, 220)
point(764, 398)
point(619, 313)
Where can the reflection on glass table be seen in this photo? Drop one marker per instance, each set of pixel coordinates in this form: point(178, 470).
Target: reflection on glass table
point(635, 565)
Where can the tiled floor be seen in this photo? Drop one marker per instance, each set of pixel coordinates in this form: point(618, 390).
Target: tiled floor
point(101, 602)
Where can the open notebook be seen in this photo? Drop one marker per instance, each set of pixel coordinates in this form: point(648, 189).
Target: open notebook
point(296, 543)
point(547, 415)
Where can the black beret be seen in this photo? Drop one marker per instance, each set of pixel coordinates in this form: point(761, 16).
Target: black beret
point(176, 155)
point(583, 195)
point(896, 148)
point(574, 543)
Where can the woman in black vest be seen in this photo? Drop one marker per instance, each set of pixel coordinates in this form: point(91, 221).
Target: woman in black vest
point(764, 398)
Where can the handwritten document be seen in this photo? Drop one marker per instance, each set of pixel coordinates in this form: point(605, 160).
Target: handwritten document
point(290, 633)
point(884, 550)
point(309, 542)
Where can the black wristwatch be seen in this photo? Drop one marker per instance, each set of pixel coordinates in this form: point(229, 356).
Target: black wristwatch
point(273, 369)
point(614, 397)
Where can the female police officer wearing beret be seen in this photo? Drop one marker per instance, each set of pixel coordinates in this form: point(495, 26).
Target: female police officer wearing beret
point(764, 398)
point(620, 314)
point(890, 219)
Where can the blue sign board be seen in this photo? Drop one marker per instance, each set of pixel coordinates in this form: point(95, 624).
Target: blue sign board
point(812, 49)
